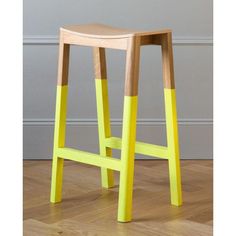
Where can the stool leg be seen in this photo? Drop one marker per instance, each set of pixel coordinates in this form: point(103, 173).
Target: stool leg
point(129, 131)
point(171, 120)
point(127, 159)
point(60, 123)
point(103, 113)
point(173, 146)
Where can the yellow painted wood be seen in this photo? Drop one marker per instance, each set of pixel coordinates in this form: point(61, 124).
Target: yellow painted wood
point(104, 129)
point(127, 158)
point(173, 146)
point(59, 141)
point(89, 158)
point(140, 148)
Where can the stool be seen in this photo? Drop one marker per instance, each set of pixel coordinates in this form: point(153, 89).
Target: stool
point(100, 37)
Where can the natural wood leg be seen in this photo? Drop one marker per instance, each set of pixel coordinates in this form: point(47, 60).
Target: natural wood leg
point(60, 122)
point(103, 113)
point(129, 131)
point(171, 121)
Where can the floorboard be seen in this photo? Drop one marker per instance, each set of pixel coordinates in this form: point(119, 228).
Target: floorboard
point(87, 209)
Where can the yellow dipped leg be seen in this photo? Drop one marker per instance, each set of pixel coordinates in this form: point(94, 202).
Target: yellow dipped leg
point(59, 141)
point(173, 146)
point(104, 129)
point(127, 159)
point(57, 178)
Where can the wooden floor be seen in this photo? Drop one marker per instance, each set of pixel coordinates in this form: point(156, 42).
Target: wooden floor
point(87, 209)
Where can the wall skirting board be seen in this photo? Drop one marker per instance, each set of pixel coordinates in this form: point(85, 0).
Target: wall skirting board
point(53, 39)
point(196, 136)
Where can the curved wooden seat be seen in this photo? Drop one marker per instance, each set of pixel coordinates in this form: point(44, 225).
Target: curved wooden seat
point(107, 32)
point(99, 35)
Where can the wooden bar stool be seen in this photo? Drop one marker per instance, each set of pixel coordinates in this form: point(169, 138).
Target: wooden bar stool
point(100, 37)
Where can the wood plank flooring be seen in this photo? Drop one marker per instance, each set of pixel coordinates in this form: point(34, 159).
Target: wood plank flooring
point(89, 210)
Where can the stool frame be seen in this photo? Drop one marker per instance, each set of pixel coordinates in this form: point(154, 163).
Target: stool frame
point(128, 144)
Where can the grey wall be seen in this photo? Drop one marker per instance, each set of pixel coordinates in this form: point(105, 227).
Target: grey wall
point(191, 22)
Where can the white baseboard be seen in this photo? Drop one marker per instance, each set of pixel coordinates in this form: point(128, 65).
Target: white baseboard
point(196, 136)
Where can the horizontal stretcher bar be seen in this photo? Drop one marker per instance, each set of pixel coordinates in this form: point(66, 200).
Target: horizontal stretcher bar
point(89, 158)
point(140, 148)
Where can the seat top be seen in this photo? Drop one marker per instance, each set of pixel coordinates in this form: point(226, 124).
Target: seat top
point(105, 31)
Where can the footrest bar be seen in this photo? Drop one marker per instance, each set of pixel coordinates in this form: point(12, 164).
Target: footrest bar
point(89, 158)
point(140, 147)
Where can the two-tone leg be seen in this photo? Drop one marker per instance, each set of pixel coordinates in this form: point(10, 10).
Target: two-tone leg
point(60, 121)
point(129, 130)
point(103, 113)
point(171, 120)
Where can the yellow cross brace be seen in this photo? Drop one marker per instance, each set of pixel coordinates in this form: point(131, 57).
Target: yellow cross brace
point(88, 158)
point(140, 148)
